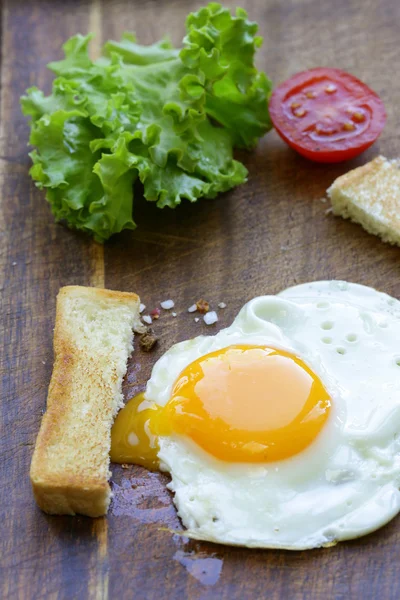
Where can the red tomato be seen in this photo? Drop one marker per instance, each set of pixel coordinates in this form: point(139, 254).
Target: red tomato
point(327, 115)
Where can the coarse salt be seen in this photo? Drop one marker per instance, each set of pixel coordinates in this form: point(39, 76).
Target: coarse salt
point(141, 308)
point(210, 318)
point(196, 319)
point(222, 305)
point(174, 314)
point(167, 304)
point(192, 308)
point(147, 319)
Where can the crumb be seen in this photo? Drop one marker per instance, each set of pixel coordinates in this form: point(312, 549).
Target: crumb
point(210, 318)
point(202, 306)
point(324, 200)
point(167, 304)
point(328, 211)
point(147, 319)
point(43, 362)
point(192, 308)
point(222, 305)
point(125, 466)
point(148, 340)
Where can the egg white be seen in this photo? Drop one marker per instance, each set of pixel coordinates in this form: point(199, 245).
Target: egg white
point(346, 483)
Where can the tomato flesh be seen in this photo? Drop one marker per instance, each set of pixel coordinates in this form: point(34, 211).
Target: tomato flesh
point(327, 115)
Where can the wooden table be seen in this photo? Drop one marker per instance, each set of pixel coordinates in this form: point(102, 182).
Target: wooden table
point(264, 236)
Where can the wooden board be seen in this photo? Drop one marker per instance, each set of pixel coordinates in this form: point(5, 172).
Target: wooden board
point(262, 237)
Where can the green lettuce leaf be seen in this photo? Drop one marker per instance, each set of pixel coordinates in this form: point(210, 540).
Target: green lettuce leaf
point(167, 117)
point(221, 47)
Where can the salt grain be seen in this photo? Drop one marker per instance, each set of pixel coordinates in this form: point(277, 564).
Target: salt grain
point(192, 308)
point(222, 305)
point(174, 314)
point(167, 304)
point(147, 319)
point(196, 319)
point(141, 308)
point(210, 318)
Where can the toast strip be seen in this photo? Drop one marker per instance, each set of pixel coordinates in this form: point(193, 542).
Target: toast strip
point(93, 339)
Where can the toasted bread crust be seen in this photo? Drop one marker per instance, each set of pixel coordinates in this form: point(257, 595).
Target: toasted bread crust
point(370, 196)
point(70, 464)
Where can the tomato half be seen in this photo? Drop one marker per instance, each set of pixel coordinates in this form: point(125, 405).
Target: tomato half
point(327, 115)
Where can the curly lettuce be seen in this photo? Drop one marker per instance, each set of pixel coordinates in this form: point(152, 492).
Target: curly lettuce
point(169, 118)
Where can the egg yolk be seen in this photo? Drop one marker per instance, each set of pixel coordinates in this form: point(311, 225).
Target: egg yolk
point(240, 404)
point(132, 440)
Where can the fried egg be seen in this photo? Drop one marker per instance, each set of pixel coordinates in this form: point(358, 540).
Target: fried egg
point(283, 430)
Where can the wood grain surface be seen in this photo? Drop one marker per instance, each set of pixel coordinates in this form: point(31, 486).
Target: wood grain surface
point(262, 237)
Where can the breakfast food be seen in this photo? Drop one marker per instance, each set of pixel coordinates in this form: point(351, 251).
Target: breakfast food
point(282, 430)
point(327, 115)
point(370, 196)
point(165, 117)
point(92, 342)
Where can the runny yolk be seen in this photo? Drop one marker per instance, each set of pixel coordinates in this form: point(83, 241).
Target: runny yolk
point(240, 404)
point(132, 440)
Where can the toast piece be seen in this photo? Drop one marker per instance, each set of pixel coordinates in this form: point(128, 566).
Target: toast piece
point(370, 196)
point(93, 339)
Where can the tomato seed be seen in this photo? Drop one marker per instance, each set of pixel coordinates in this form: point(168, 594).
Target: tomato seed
point(348, 127)
point(358, 117)
point(330, 88)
